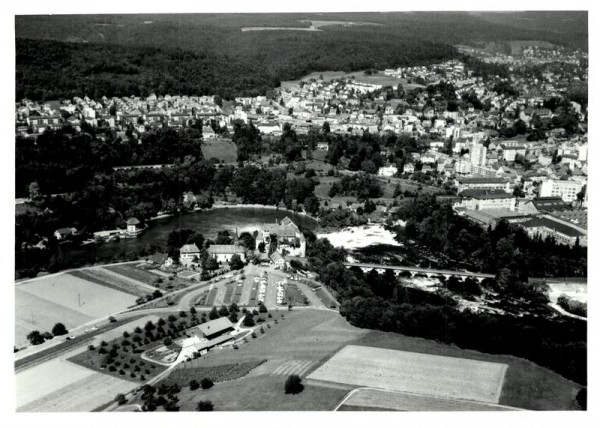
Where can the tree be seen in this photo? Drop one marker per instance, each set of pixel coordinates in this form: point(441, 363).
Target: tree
point(206, 383)
point(261, 247)
point(205, 406)
point(211, 264)
point(236, 262)
point(194, 385)
point(213, 314)
point(120, 399)
point(262, 308)
point(34, 191)
point(249, 320)
point(59, 329)
point(293, 385)
point(311, 204)
point(35, 337)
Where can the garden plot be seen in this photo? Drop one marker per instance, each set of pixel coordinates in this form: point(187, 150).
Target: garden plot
point(128, 278)
point(399, 371)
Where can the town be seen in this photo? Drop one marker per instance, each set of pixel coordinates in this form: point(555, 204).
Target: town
point(407, 233)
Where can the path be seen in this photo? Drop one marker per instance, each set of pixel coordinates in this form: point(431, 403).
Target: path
point(313, 299)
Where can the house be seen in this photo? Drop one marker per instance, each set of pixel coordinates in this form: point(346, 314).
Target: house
point(387, 171)
point(134, 227)
point(409, 168)
point(158, 259)
point(189, 254)
point(224, 253)
point(277, 259)
point(65, 233)
point(322, 145)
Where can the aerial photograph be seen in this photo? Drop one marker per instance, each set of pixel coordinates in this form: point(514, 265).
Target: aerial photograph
point(332, 211)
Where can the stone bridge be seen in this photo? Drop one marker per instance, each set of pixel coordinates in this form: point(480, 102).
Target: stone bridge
point(421, 271)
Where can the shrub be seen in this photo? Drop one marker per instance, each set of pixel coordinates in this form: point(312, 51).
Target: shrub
point(206, 383)
point(194, 385)
point(205, 406)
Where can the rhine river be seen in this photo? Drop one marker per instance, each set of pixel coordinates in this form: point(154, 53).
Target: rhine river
point(208, 223)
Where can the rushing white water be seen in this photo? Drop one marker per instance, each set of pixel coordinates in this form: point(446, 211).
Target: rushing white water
point(360, 237)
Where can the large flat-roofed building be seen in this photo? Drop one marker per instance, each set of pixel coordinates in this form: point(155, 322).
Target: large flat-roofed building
point(464, 183)
point(567, 190)
point(483, 199)
point(216, 327)
point(545, 227)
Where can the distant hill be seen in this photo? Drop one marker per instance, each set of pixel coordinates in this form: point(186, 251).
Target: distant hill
point(65, 55)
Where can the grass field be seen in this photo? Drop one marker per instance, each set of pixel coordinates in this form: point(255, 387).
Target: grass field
point(138, 274)
point(325, 297)
point(117, 333)
point(526, 385)
point(294, 296)
point(414, 373)
point(39, 304)
point(58, 385)
point(384, 400)
point(298, 343)
point(220, 149)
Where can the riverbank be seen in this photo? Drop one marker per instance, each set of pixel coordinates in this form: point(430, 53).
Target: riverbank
point(237, 206)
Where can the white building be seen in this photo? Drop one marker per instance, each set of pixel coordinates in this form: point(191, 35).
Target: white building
point(565, 189)
point(224, 253)
point(478, 154)
point(387, 171)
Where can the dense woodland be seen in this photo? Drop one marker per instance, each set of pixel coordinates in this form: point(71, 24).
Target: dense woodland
point(380, 301)
point(120, 55)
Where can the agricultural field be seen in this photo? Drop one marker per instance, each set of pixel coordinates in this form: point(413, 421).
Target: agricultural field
point(41, 303)
point(112, 280)
point(414, 373)
point(131, 271)
point(526, 385)
point(365, 399)
point(77, 389)
point(222, 149)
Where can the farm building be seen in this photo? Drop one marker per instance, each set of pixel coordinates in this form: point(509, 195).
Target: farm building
point(214, 328)
point(65, 233)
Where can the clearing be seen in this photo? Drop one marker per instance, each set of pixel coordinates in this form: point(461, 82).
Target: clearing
point(222, 149)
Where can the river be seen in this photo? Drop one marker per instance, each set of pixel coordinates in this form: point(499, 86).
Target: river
point(208, 223)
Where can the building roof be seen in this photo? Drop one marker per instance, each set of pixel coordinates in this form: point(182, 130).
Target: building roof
point(133, 221)
point(549, 204)
point(215, 326)
point(481, 180)
point(66, 230)
point(486, 194)
point(276, 257)
point(554, 225)
point(226, 249)
point(189, 248)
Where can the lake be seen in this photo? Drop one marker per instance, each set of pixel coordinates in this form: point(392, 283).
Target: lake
point(208, 223)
